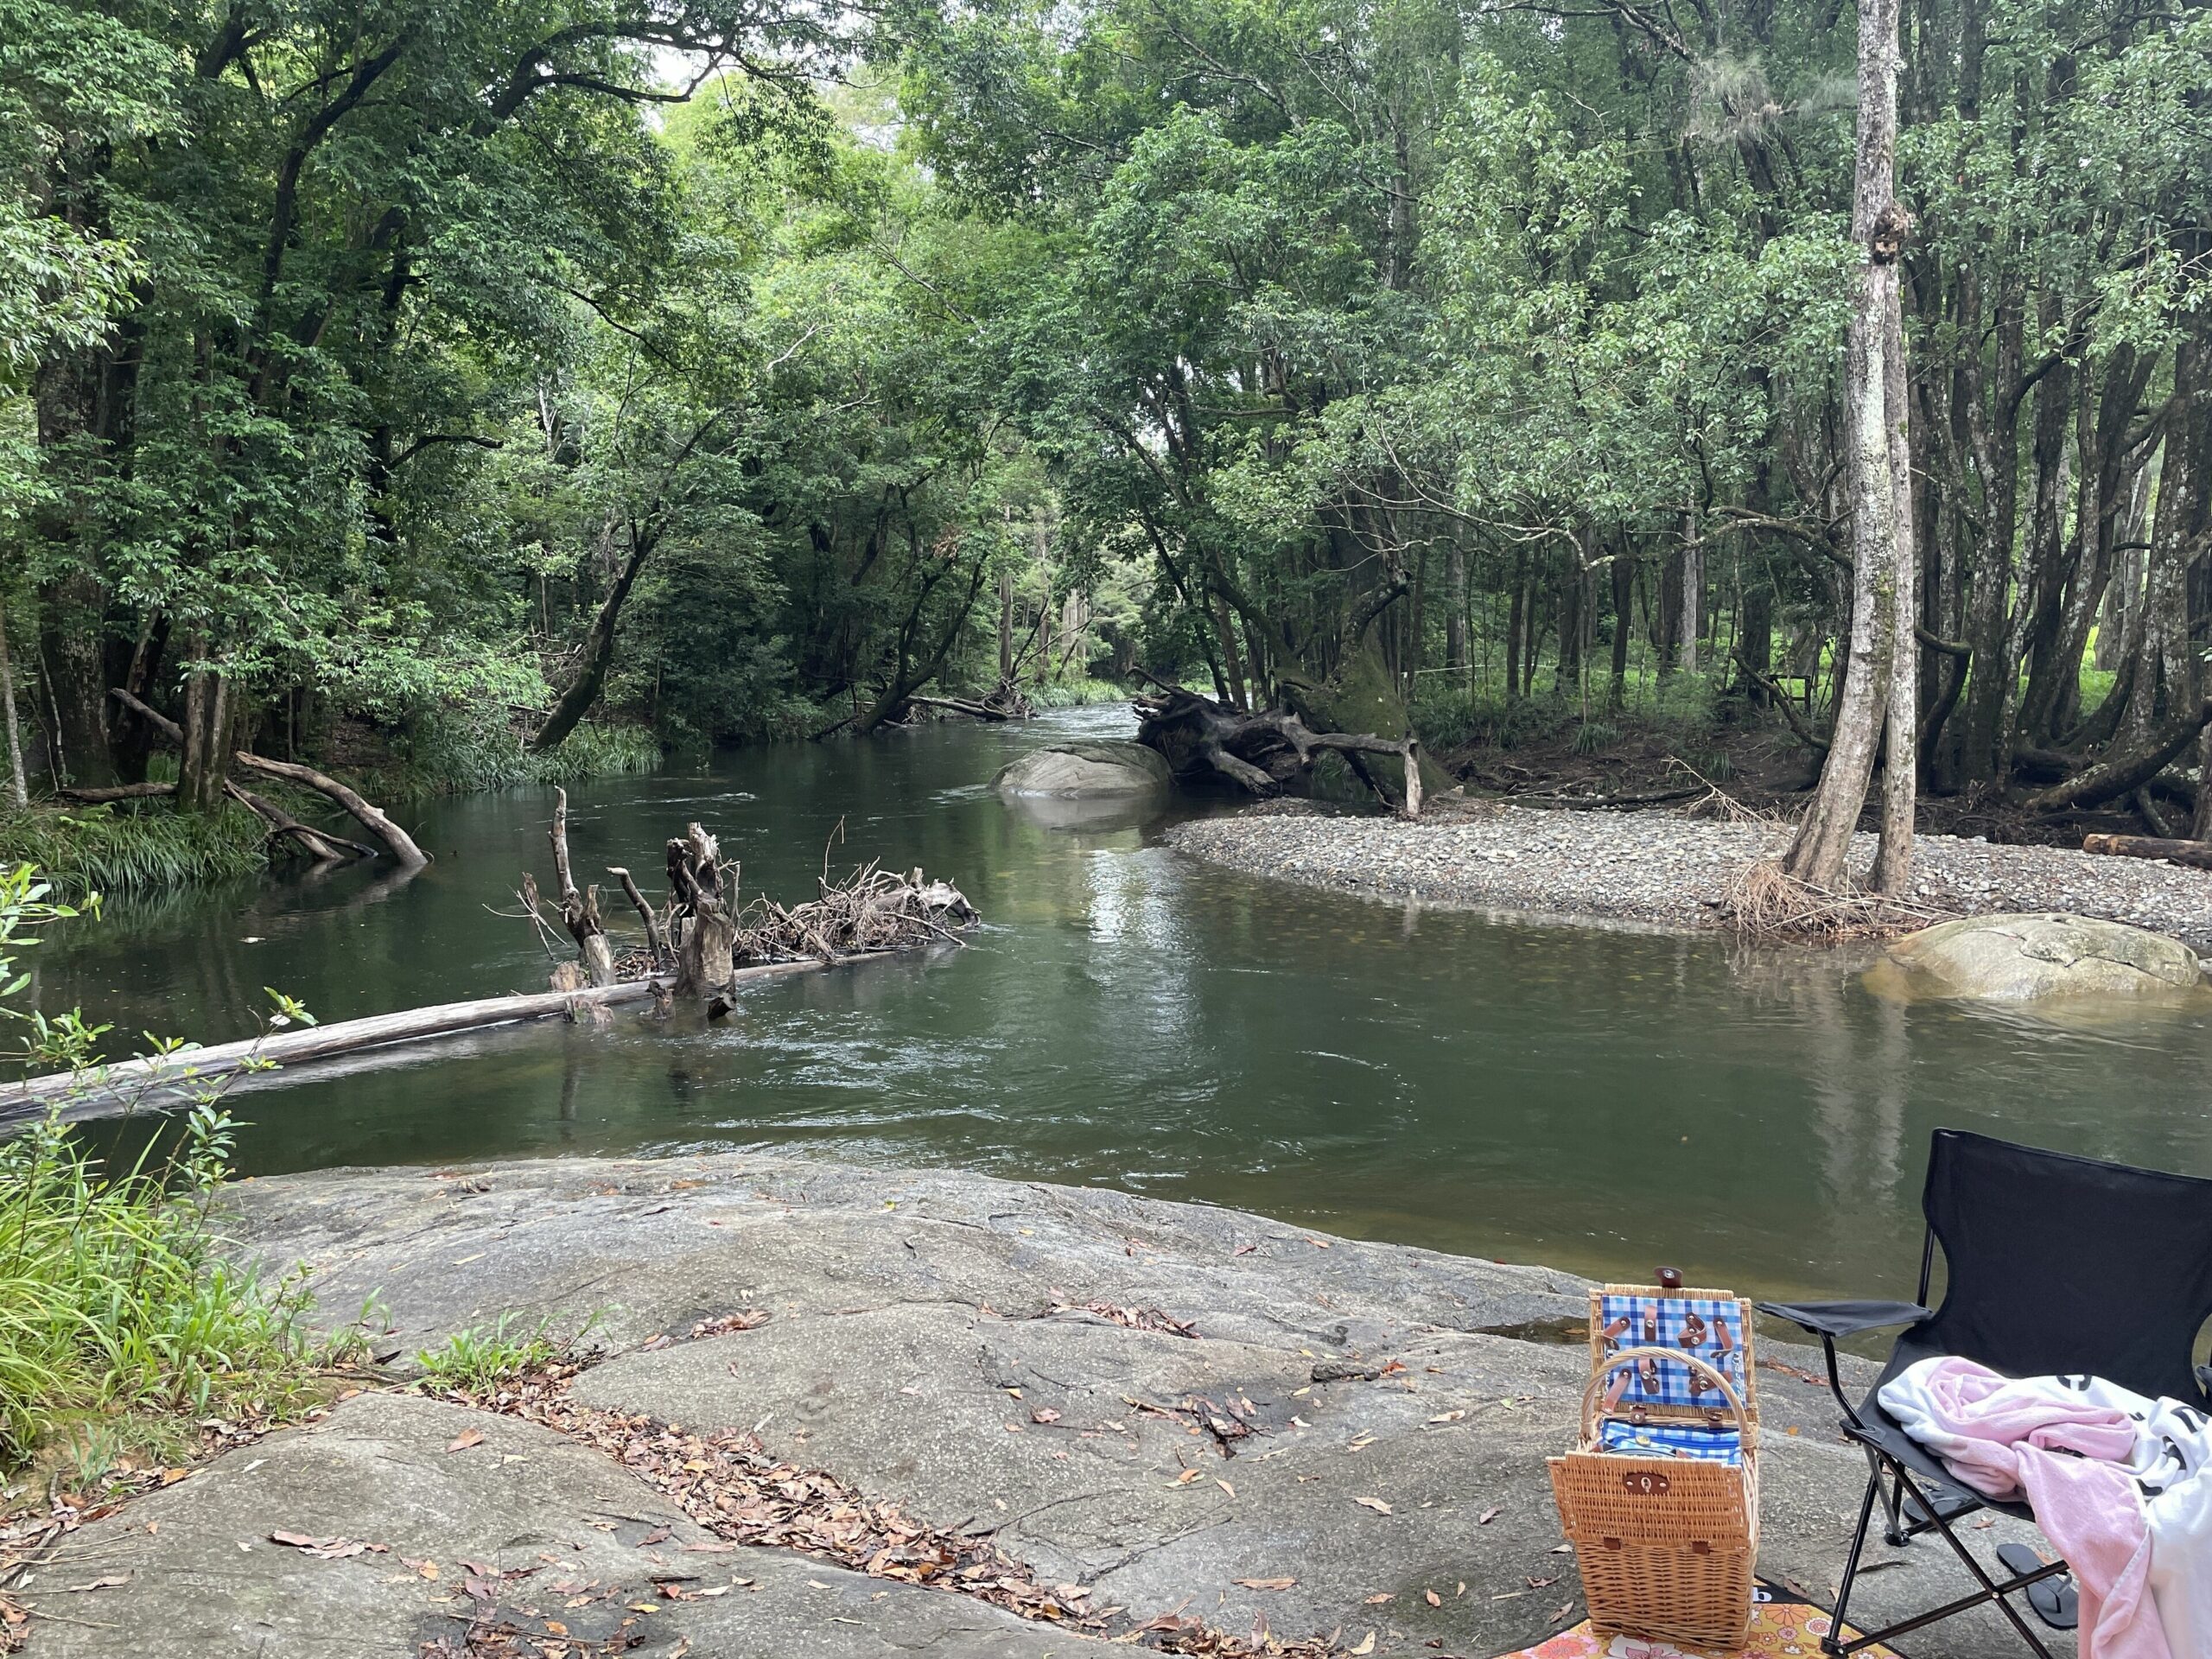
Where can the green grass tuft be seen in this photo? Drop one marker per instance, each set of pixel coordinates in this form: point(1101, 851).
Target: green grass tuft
point(475, 1360)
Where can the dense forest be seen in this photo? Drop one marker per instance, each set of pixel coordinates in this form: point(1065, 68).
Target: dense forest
point(469, 386)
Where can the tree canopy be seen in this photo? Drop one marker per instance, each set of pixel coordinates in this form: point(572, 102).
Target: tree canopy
point(747, 368)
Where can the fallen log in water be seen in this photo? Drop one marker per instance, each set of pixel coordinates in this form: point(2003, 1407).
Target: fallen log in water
point(2196, 854)
point(166, 1080)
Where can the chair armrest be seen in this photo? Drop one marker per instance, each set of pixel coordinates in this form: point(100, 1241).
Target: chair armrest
point(1832, 1320)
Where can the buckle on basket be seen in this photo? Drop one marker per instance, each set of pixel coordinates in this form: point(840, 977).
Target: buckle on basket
point(1646, 1482)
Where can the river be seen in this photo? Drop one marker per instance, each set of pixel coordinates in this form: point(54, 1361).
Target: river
point(1594, 1098)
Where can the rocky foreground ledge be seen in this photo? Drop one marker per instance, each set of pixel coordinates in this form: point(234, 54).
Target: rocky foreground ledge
point(1664, 868)
point(1347, 1444)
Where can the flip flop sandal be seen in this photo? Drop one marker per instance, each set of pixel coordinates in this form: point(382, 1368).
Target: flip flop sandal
point(2052, 1599)
point(1950, 1505)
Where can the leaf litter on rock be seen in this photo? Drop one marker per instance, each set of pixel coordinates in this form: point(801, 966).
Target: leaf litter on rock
point(728, 1483)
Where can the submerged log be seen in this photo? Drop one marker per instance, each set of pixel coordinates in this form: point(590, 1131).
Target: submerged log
point(2196, 854)
point(397, 840)
point(1262, 752)
point(129, 1085)
point(322, 845)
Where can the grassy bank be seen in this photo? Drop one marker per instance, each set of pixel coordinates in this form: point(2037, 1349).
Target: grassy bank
point(125, 849)
point(457, 755)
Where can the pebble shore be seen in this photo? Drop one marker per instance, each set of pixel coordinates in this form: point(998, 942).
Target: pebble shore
point(1663, 869)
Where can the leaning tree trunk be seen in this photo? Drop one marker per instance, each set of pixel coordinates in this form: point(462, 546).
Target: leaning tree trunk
point(579, 911)
point(1820, 856)
point(582, 691)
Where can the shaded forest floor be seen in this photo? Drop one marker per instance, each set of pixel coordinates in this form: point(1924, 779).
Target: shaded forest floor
point(1739, 763)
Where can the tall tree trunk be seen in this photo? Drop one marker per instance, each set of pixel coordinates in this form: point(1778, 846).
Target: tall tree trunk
point(1455, 597)
point(1901, 766)
point(205, 766)
point(1820, 856)
point(1624, 585)
point(19, 794)
point(1693, 618)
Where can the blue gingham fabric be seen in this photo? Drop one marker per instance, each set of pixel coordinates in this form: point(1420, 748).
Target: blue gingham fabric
point(1671, 1441)
point(1664, 1322)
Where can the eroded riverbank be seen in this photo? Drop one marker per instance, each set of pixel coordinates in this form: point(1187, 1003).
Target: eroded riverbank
point(1663, 869)
point(1347, 1427)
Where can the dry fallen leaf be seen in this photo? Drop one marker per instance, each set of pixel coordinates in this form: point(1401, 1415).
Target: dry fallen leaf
point(1186, 1476)
point(467, 1438)
point(1044, 1414)
point(1376, 1601)
point(1432, 1598)
point(113, 1580)
point(1374, 1503)
point(1487, 1516)
point(1366, 1645)
point(1266, 1584)
point(1224, 1485)
point(425, 1569)
point(326, 1549)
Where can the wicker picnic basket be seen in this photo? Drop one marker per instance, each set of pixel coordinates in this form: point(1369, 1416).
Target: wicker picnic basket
point(1661, 1495)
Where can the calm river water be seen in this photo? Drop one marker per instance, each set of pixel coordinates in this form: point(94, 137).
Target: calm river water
point(1595, 1099)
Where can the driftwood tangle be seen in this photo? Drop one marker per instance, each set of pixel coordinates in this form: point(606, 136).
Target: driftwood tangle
point(1262, 752)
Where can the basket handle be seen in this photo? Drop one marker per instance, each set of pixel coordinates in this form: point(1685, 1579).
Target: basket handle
point(1636, 1356)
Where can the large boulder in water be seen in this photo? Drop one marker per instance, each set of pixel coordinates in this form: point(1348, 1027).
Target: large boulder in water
point(1087, 771)
point(2034, 957)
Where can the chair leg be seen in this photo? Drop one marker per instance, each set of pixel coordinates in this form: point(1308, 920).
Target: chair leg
point(1839, 1646)
point(2000, 1596)
point(1833, 1642)
point(1894, 1535)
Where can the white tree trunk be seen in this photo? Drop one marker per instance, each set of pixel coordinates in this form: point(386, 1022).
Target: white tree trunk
point(1876, 467)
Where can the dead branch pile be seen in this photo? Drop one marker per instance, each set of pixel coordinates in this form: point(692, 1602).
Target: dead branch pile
point(1762, 903)
point(702, 934)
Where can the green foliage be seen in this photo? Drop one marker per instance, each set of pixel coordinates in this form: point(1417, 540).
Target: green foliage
point(447, 752)
point(117, 1298)
point(119, 849)
point(117, 1295)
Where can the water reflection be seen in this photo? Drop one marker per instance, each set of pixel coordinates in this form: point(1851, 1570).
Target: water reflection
point(1600, 1099)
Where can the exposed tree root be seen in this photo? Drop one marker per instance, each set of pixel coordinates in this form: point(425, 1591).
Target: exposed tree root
point(1766, 904)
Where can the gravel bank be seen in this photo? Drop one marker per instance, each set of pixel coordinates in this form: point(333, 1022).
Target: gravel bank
point(1662, 868)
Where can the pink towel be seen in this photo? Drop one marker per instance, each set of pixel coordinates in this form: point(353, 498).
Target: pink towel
point(2007, 1440)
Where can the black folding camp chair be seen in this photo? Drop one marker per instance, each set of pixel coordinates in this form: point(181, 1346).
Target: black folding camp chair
point(2054, 1265)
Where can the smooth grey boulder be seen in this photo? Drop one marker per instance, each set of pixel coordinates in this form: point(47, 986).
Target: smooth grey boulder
point(1087, 771)
point(2022, 958)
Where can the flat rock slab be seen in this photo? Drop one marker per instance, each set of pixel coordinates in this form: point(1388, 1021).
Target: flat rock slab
point(555, 1530)
point(1365, 1421)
